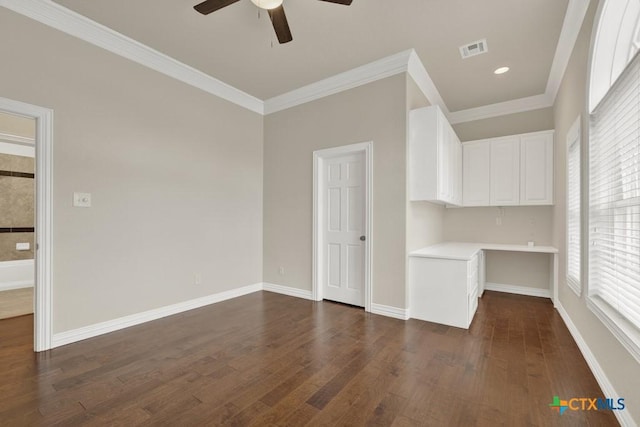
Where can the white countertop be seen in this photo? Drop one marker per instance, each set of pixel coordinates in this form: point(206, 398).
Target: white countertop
point(466, 251)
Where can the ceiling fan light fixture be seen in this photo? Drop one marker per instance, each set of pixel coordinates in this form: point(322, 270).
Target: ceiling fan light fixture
point(267, 4)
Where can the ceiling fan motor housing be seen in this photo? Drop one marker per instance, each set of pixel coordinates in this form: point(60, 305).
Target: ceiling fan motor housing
point(267, 4)
point(274, 7)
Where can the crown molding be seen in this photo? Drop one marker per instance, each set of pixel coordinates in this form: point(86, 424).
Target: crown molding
point(59, 17)
point(513, 106)
point(416, 70)
point(72, 23)
point(406, 61)
point(573, 19)
point(373, 71)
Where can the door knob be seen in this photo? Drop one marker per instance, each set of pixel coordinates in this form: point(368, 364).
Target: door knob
point(363, 238)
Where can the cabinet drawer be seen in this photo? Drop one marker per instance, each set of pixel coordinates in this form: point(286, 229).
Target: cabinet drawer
point(472, 283)
point(472, 266)
point(473, 304)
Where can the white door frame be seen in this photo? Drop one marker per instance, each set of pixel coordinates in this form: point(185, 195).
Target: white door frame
point(44, 248)
point(319, 157)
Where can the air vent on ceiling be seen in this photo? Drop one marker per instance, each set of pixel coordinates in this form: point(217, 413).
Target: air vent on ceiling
point(473, 49)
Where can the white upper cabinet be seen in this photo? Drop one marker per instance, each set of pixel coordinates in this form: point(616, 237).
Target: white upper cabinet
point(509, 171)
point(435, 158)
point(456, 173)
point(476, 175)
point(536, 169)
point(505, 172)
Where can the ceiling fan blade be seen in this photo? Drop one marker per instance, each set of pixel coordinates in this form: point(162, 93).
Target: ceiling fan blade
point(344, 2)
point(206, 7)
point(280, 24)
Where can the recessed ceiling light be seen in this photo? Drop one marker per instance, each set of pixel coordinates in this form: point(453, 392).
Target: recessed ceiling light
point(501, 70)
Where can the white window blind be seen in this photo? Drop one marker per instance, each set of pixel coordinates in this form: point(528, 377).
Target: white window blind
point(614, 203)
point(573, 208)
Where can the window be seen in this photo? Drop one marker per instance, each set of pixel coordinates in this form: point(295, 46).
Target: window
point(614, 208)
point(617, 39)
point(573, 208)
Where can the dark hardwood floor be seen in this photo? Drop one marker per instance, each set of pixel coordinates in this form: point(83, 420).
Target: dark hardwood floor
point(268, 359)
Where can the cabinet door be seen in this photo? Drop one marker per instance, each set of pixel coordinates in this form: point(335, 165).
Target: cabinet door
point(476, 173)
point(444, 158)
point(434, 158)
point(505, 172)
point(438, 291)
point(423, 154)
point(482, 275)
point(456, 161)
point(536, 169)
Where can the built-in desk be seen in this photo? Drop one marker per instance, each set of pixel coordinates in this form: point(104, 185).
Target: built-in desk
point(446, 279)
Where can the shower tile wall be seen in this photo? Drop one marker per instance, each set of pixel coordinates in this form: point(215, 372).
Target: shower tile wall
point(17, 199)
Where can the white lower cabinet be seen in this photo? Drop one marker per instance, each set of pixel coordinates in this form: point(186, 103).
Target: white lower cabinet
point(482, 273)
point(444, 290)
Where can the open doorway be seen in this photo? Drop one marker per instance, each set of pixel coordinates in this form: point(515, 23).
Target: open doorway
point(41, 240)
point(17, 215)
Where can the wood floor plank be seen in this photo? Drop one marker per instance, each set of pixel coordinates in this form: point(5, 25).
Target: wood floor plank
point(268, 359)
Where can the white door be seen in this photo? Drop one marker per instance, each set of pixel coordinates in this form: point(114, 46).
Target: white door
point(343, 225)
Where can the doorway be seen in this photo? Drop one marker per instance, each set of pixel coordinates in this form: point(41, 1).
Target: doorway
point(42, 241)
point(17, 215)
point(342, 224)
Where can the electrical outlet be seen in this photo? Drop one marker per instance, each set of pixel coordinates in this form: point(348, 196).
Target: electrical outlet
point(498, 220)
point(281, 271)
point(23, 246)
point(197, 279)
point(81, 200)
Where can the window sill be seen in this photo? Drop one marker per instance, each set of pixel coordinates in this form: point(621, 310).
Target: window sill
point(621, 328)
point(574, 286)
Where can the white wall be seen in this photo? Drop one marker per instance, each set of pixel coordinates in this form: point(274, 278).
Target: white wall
point(509, 124)
point(373, 112)
point(175, 176)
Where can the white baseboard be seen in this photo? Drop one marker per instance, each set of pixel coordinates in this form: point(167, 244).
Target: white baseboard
point(91, 331)
point(383, 310)
point(386, 310)
point(19, 284)
point(519, 290)
point(624, 418)
point(287, 290)
point(86, 332)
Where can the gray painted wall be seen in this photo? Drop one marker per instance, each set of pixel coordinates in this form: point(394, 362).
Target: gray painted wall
point(620, 367)
point(373, 112)
point(175, 175)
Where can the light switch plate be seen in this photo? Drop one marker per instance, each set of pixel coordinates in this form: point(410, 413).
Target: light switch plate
point(82, 200)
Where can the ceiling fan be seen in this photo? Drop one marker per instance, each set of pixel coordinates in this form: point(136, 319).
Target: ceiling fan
point(274, 7)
